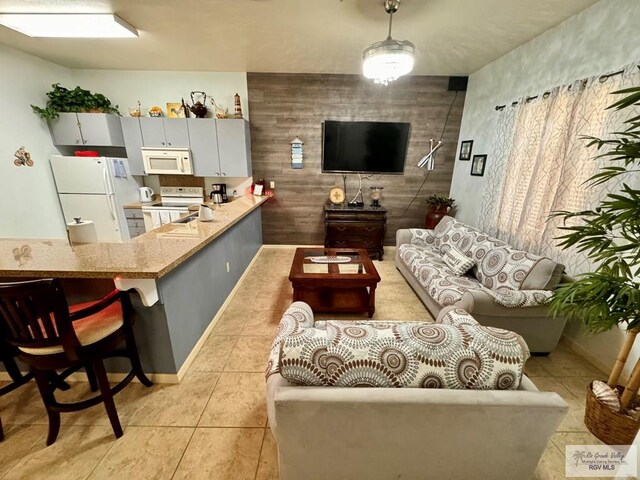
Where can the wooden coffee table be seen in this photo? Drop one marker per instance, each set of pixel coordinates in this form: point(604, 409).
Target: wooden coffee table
point(335, 287)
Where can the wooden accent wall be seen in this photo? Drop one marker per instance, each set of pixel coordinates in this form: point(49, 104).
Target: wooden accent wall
point(285, 105)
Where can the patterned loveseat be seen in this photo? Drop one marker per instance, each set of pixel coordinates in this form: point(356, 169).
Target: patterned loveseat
point(471, 413)
point(505, 288)
point(455, 353)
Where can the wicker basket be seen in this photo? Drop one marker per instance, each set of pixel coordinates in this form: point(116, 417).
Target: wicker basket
point(611, 427)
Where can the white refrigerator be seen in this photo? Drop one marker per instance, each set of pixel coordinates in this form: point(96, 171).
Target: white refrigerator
point(96, 189)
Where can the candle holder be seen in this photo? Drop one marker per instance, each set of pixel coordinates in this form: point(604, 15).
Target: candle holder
point(375, 193)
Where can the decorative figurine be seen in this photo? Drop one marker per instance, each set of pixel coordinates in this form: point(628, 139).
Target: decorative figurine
point(237, 107)
point(22, 158)
point(155, 112)
point(199, 109)
point(136, 112)
point(376, 193)
point(220, 112)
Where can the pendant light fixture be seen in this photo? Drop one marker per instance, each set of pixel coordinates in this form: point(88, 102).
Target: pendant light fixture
point(385, 61)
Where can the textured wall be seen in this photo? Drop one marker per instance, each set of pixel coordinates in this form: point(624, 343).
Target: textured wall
point(285, 105)
point(29, 205)
point(600, 39)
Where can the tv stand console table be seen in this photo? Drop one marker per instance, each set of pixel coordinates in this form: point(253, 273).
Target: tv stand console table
point(361, 227)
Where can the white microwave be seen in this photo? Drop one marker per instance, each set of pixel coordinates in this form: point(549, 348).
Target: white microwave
point(167, 161)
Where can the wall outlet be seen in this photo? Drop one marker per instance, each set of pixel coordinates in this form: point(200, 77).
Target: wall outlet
point(227, 267)
point(272, 185)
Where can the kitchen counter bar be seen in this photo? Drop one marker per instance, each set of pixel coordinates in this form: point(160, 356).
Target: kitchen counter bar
point(148, 256)
point(183, 274)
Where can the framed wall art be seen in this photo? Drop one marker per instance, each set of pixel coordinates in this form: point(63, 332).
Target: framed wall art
point(465, 150)
point(478, 165)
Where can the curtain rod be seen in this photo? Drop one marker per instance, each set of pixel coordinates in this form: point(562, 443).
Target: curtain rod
point(602, 78)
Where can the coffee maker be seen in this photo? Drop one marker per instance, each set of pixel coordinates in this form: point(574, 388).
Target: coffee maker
point(219, 193)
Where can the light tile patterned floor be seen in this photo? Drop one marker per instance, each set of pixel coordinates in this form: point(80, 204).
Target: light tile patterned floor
point(213, 424)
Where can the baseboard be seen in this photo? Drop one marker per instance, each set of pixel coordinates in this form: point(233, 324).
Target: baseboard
point(578, 349)
point(171, 377)
point(281, 245)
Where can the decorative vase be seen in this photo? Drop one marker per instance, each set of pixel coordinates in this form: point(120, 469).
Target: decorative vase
point(434, 215)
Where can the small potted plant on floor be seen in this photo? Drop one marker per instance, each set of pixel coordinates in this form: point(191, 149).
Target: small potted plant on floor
point(609, 297)
point(62, 100)
point(438, 205)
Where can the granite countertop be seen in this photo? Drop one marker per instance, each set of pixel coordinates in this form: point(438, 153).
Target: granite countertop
point(156, 199)
point(150, 255)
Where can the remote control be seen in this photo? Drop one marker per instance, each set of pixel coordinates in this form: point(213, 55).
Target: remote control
point(330, 259)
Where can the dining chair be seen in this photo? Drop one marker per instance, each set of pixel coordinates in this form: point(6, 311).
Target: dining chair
point(49, 335)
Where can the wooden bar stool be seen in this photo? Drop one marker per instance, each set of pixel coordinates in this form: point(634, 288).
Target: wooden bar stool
point(7, 357)
point(50, 335)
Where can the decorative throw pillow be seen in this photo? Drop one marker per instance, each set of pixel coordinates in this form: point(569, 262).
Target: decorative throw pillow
point(458, 262)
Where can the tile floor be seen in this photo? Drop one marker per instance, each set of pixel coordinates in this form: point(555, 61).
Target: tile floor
point(213, 425)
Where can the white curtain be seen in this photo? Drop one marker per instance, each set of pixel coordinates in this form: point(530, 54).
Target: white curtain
point(541, 161)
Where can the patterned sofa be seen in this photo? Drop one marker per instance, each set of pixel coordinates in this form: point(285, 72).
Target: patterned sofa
point(506, 288)
point(465, 386)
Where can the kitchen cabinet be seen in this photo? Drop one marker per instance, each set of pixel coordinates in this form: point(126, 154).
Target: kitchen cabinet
point(133, 142)
point(204, 147)
point(135, 222)
point(164, 132)
point(87, 130)
point(219, 148)
point(234, 147)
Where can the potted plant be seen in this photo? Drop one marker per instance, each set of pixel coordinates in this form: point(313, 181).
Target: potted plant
point(609, 235)
point(438, 205)
point(63, 100)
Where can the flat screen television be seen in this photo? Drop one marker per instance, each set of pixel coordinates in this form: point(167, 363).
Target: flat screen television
point(364, 147)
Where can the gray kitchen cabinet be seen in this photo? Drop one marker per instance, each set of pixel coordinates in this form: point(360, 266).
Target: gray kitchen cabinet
point(204, 147)
point(133, 142)
point(164, 132)
point(234, 147)
point(65, 130)
point(100, 130)
point(153, 132)
point(87, 130)
point(176, 133)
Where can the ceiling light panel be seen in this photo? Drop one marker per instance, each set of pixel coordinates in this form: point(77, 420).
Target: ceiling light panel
point(69, 25)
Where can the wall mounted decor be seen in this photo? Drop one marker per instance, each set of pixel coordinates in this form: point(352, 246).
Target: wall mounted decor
point(296, 152)
point(465, 150)
point(478, 164)
point(22, 158)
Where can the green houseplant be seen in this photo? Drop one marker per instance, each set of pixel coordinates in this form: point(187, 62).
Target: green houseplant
point(438, 205)
point(609, 235)
point(63, 100)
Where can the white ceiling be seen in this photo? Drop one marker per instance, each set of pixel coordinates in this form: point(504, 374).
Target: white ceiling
point(452, 37)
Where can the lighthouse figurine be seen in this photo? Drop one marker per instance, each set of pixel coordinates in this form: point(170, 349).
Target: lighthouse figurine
point(238, 108)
